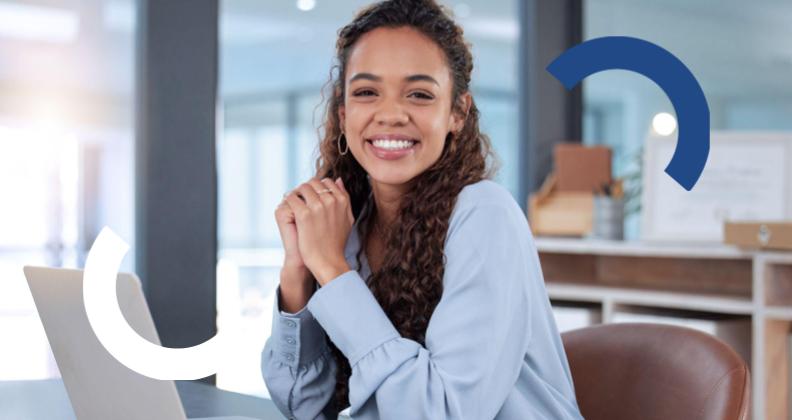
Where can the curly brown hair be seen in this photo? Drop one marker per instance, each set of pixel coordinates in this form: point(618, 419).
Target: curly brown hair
point(409, 283)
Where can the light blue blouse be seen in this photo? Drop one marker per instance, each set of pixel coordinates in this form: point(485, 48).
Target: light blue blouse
point(492, 346)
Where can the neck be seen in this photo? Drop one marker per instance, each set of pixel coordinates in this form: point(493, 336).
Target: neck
point(387, 198)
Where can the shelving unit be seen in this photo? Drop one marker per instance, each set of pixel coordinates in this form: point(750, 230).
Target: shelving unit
point(713, 279)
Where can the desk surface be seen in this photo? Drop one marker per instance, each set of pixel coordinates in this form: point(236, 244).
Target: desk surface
point(34, 400)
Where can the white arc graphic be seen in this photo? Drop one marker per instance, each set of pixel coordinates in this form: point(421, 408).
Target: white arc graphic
point(118, 337)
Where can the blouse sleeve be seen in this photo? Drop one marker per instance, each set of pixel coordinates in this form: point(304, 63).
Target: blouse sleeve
point(475, 340)
point(298, 367)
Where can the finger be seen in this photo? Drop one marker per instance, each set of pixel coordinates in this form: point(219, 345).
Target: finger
point(327, 197)
point(296, 203)
point(312, 199)
point(340, 183)
point(284, 203)
point(333, 187)
point(285, 209)
point(286, 206)
point(341, 194)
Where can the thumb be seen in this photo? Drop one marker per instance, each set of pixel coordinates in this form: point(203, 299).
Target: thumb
point(340, 183)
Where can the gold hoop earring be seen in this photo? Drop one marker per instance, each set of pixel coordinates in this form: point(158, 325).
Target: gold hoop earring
point(339, 146)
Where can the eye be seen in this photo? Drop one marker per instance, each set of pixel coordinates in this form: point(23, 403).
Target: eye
point(364, 92)
point(421, 95)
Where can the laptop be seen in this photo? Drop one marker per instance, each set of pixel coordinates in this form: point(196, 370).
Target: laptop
point(99, 386)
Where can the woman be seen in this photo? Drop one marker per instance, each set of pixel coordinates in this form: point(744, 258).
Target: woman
point(430, 301)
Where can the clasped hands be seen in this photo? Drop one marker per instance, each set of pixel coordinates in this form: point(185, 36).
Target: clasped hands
point(314, 221)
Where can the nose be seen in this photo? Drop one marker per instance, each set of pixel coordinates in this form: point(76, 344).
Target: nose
point(391, 113)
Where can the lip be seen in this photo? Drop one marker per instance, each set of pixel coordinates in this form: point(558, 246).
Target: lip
point(391, 154)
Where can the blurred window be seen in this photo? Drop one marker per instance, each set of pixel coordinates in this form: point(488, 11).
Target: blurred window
point(66, 152)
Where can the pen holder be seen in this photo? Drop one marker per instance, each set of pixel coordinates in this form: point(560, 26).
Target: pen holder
point(608, 218)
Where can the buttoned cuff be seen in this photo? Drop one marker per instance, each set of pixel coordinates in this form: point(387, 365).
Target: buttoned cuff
point(351, 316)
point(298, 338)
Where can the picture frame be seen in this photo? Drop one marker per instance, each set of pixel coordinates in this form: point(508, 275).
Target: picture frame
point(748, 176)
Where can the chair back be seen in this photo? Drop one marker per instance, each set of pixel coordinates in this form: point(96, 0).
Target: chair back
point(649, 371)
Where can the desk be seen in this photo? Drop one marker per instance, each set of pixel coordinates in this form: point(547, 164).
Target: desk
point(47, 400)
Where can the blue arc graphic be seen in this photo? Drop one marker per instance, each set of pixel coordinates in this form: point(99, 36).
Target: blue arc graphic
point(668, 72)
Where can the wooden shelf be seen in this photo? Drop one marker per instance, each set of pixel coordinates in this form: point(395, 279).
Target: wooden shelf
point(778, 313)
point(612, 276)
point(639, 248)
point(650, 298)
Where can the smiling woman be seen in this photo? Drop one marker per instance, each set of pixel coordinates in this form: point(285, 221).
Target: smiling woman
point(398, 113)
point(444, 314)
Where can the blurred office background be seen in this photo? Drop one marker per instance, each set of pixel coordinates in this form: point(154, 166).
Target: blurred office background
point(67, 126)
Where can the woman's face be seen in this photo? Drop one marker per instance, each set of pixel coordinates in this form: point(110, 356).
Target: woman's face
point(397, 104)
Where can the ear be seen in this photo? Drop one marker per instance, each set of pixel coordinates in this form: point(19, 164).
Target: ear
point(341, 117)
point(460, 112)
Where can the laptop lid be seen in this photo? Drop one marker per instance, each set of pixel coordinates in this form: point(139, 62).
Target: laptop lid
point(99, 387)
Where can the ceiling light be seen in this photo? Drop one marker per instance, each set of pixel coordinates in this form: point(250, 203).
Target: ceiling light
point(664, 124)
point(306, 5)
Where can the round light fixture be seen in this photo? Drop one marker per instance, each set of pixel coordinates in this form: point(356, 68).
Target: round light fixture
point(664, 124)
point(306, 5)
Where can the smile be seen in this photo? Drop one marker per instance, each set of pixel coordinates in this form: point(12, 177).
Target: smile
point(390, 148)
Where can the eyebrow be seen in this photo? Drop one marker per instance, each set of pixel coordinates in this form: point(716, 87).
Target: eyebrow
point(412, 78)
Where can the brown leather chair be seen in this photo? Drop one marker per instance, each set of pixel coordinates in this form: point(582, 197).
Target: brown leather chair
point(650, 371)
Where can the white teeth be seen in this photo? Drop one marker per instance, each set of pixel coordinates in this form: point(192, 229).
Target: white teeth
point(392, 144)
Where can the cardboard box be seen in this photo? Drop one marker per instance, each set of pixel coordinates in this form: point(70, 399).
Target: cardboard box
point(582, 168)
point(562, 214)
point(765, 235)
point(558, 213)
point(553, 212)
